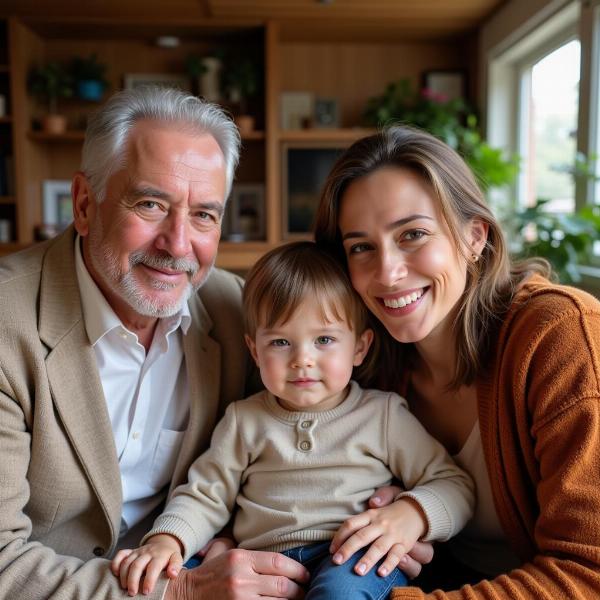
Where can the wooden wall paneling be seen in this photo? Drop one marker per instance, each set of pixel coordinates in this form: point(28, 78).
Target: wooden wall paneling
point(353, 73)
point(273, 152)
point(31, 164)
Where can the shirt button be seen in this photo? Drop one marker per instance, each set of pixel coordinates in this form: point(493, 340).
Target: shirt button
point(98, 551)
point(136, 435)
point(305, 424)
point(123, 335)
point(305, 445)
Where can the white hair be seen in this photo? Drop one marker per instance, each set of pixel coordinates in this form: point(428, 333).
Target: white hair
point(106, 134)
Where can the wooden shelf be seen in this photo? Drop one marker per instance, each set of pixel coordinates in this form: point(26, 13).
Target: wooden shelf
point(10, 247)
point(240, 256)
point(324, 135)
point(67, 136)
point(253, 135)
point(7, 200)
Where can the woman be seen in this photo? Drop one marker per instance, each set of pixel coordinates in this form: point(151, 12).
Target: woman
point(500, 364)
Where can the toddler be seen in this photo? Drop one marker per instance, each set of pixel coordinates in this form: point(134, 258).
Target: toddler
point(301, 459)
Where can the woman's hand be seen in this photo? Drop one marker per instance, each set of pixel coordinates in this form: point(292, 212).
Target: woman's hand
point(216, 547)
point(391, 530)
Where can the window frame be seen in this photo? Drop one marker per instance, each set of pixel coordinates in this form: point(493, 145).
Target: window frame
point(504, 112)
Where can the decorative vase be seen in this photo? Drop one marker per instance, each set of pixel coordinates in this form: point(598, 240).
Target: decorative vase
point(54, 124)
point(245, 123)
point(209, 81)
point(90, 89)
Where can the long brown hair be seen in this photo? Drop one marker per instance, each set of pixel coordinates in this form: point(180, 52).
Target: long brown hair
point(491, 281)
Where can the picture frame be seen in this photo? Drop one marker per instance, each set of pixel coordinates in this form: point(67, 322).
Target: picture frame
point(446, 84)
point(327, 113)
point(245, 213)
point(297, 110)
point(171, 80)
point(57, 205)
point(305, 166)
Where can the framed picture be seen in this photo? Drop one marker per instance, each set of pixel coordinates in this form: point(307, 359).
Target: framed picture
point(327, 114)
point(305, 166)
point(57, 206)
point(180, 81)
point(297, 110)
point(245, 213)
point(446, 84)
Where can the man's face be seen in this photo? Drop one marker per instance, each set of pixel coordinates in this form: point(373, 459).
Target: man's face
point(153, 240)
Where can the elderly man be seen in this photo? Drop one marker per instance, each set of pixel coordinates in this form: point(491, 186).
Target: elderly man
point(120, 347)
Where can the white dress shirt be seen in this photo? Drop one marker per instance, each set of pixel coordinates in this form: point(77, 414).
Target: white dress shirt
point(147, 395)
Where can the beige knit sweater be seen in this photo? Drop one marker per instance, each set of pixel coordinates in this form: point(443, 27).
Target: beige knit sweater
point(296, 476)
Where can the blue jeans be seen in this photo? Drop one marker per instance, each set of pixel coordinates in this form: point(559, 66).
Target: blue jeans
point(329, 581)
point(339, 582)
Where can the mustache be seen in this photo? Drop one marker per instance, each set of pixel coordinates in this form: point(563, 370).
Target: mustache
point(164, 261)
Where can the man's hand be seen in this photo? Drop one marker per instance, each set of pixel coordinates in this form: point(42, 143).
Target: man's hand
point(148, 561)
point(241, 575)
point(422, 552)
point(392, 530)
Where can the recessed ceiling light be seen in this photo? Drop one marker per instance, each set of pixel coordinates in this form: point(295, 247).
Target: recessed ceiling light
point(167, 41)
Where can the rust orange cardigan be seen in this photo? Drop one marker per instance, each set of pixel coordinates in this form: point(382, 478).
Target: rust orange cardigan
point(539, 412)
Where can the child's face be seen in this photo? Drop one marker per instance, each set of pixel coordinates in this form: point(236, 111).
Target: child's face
point(305, 362)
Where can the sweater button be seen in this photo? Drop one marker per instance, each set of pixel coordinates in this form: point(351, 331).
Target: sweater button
point(305, 445)
point(98, 551)
point(305, 424)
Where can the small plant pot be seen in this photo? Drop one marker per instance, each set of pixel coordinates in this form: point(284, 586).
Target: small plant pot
point(54, 124)
point(245, 123)
point(90, 89)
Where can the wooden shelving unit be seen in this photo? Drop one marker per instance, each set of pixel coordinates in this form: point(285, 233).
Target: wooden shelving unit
point(8, 193)
point(56, 138)
point(323, 64)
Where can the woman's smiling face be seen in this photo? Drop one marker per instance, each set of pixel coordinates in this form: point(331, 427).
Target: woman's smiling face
point(401, 256)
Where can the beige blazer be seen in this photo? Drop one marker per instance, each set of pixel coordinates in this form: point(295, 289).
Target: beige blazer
point(60, 487)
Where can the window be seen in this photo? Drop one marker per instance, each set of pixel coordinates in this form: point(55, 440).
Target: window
point(543, 103)
point(549, 97)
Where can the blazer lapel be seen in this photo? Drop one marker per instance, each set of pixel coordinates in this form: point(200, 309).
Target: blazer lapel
point(203, 364)
point(74, 379)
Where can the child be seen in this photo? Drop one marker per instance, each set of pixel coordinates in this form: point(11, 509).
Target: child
point(303, 457)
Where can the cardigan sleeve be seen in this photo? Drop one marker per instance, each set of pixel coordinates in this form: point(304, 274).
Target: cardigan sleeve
point(198, 509)
point(556, 417)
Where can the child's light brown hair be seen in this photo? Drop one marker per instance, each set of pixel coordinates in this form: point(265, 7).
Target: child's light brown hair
point(287, 275)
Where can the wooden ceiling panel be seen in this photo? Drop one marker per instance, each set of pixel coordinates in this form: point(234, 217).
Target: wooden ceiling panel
point(301, 19)
point(465, 11)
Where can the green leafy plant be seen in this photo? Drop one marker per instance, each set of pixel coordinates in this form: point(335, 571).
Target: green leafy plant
point(88, 69)
point(241, 79)
point(566, 240)
point(50, 82)
point(452, 121)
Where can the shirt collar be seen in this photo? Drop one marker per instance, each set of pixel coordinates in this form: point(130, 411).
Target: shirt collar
point(99, 317)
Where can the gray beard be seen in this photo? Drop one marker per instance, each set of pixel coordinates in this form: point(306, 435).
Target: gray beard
point(106, 264)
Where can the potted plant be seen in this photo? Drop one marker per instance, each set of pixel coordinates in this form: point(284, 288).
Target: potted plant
point(88, 76)
point(566, 240)
point(241, 81)
point(206, 72)
point(450, 120)
point(50, 82)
